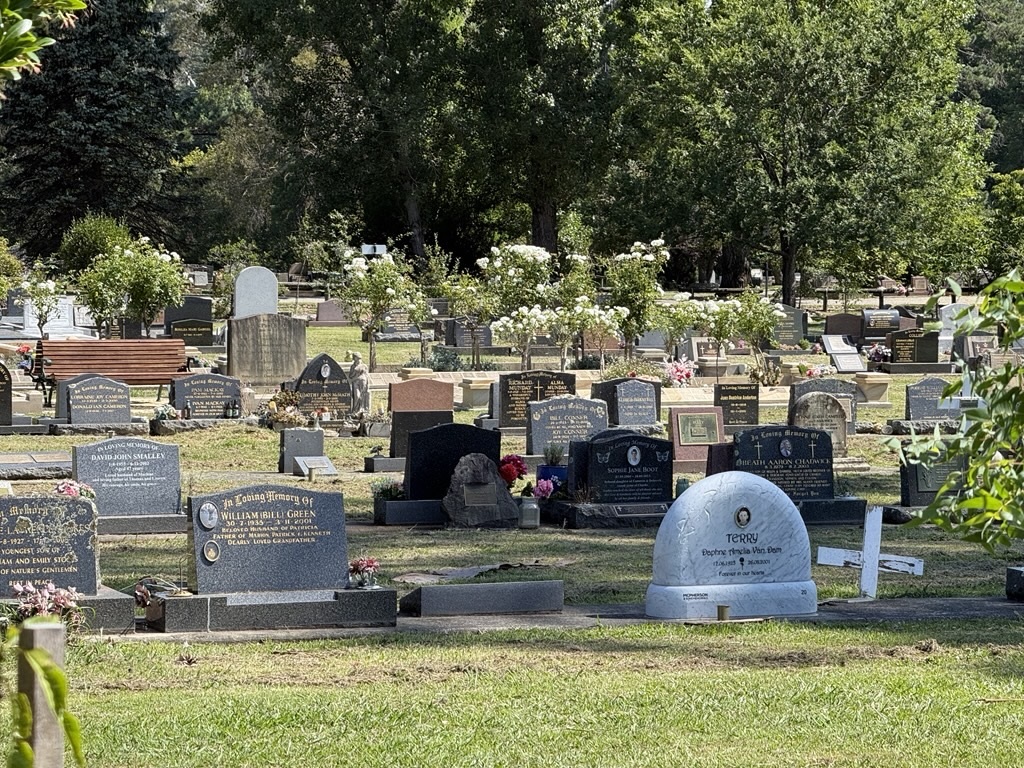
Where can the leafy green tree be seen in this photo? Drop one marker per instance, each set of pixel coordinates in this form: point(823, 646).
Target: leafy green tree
point(44, 293)
point(87, 238)
point(21, 38)
point(1006, 201)
point(93, 132)
point(809, 132)
point(632, 279)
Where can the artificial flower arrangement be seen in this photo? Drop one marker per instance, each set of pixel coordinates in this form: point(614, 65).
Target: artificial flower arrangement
point(362, 572)
point(681, 372)
point(47, 600)
point(817, 371)
point(512, 468)
point(75, 489)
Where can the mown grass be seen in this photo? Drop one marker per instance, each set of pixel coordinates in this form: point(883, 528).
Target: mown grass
point(916, 695)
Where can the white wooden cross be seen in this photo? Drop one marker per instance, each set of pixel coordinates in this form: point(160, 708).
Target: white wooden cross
point(870, 560)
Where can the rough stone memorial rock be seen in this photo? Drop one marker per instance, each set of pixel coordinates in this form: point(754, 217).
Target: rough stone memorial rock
point(736, 540)
point(478, 497)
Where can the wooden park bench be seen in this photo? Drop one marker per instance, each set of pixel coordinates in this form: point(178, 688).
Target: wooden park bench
point(136, 362)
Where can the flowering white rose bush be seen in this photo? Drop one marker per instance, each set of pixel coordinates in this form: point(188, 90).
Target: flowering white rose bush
point(43, 292)
point(633, 281)
point(520, 328)
point(136, 282)
point(516, 275)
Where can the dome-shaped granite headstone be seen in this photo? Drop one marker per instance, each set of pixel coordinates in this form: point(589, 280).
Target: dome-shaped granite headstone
point(731, 539)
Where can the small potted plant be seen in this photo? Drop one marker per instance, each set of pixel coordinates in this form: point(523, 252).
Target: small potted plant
point(552, 468)
point(375, 424)
point(384, 489)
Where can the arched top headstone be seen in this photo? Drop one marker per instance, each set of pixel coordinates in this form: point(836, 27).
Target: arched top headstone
point(255, 293)
point(732, 539)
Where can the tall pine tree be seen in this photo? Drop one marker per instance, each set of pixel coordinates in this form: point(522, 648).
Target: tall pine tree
point(93, 132)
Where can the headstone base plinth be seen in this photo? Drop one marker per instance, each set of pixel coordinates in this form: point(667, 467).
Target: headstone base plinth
point(902, 368)
point(126, 525)
point(847, 510)
point(175, 426)
point(485, 422)
point(383, 464)
point(566, 515)
point(273, 610)
point(701, 601)
point(108, 611)
point(408, 512)
point(689, 466)
point(475, 599)
point(924, 427)
point(25, 429)
point(135, 428)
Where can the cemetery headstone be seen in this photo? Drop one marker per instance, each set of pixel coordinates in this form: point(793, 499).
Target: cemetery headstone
point(843, 355)
point(207, 395)
point(731, 539)
point(919, 484)
point(458, 334)
point(799, 461)
point(692, 430)
point(265, 350)
point(255, 293)
point(195, 333)
point(608, 391)
point(914, 345)
point(561, 420)
point(878, 323)
point(62, 321)
point(398, 327)
point(844, 324)
point(421, 395)
point(192, 308)
point(635, 403)
point(6, 397)
point(45, 538)
point(621, 467)
point(924, 401)
point(131, 477)
point(321, 465)
point(405, 422)
point(791, 329)
point(99, 400)
point(253, 540)
point(329, 312)
point(845, 390)
point(324, 384)
point(969, 349)
point(740, 403)
point(478, 497)
point(298, 441)
point(434, 453)
point(820, 410)
point(517, 389)
point(60, 399)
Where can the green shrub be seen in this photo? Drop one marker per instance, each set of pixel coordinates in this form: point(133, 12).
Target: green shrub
point(87, 238)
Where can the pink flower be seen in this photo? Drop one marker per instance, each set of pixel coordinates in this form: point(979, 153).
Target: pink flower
point(543, 489)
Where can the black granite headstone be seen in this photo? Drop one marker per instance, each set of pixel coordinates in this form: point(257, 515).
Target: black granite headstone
point(195, 333)
point(131, 476)
point(561, 420)
point(920, 484)
point(267, 538)
point(517, 389)
point(458, 334)
point(877, 323)
point(192, 308)
point(324, 384)
point(48, 538)
point(914, 345)
point(740, 403)
point(791, 329)
point(434, 453)
point(6, 397)
point(404, 422)
point(797, 460)
point(99, 400)
point(619, 466)
point(208, 395)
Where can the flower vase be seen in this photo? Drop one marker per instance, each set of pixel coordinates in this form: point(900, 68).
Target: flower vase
point(529, 512)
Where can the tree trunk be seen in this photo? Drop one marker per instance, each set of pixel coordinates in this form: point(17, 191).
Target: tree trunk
point(788, 249)
point(373, 350)
point(412, 216)
point(734, 265)
point(545, 225)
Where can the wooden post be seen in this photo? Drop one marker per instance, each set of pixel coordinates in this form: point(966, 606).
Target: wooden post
point(47, 739)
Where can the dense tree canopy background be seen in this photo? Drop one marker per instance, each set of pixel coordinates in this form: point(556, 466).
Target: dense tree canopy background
point(824, 137)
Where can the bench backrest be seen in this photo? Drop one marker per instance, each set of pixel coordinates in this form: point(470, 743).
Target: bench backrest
point(133, 361)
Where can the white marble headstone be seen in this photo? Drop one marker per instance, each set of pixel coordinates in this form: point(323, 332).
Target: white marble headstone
point(255, 293)
point(732, 539)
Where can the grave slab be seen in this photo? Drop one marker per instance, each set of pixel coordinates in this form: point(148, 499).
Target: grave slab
point(483, 599)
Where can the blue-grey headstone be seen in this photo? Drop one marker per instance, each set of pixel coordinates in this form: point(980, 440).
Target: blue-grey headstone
point(99, 400)
point(298, 441)
point(131, 476)
point(48, 538)
point(562, 420)
point(268, 538)
point(206, 394)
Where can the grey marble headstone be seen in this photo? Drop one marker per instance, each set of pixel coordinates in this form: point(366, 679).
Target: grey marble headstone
point(255, 293)
point(731, 539)
point(635, 403)
point(192, 308)
point(61, 397)
point(45, 538)
point(561, 420)
point(332, 391)
point(517, 389)
point(606, 390)
point(99, 400)
point(846, 391)
point(820, 410)
point(478, 497)
point(206, 394)
point(264, 350)
point(131, 476)
point(924, 401)
point(298, 442)
point(265, 538)
point(434, 453)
